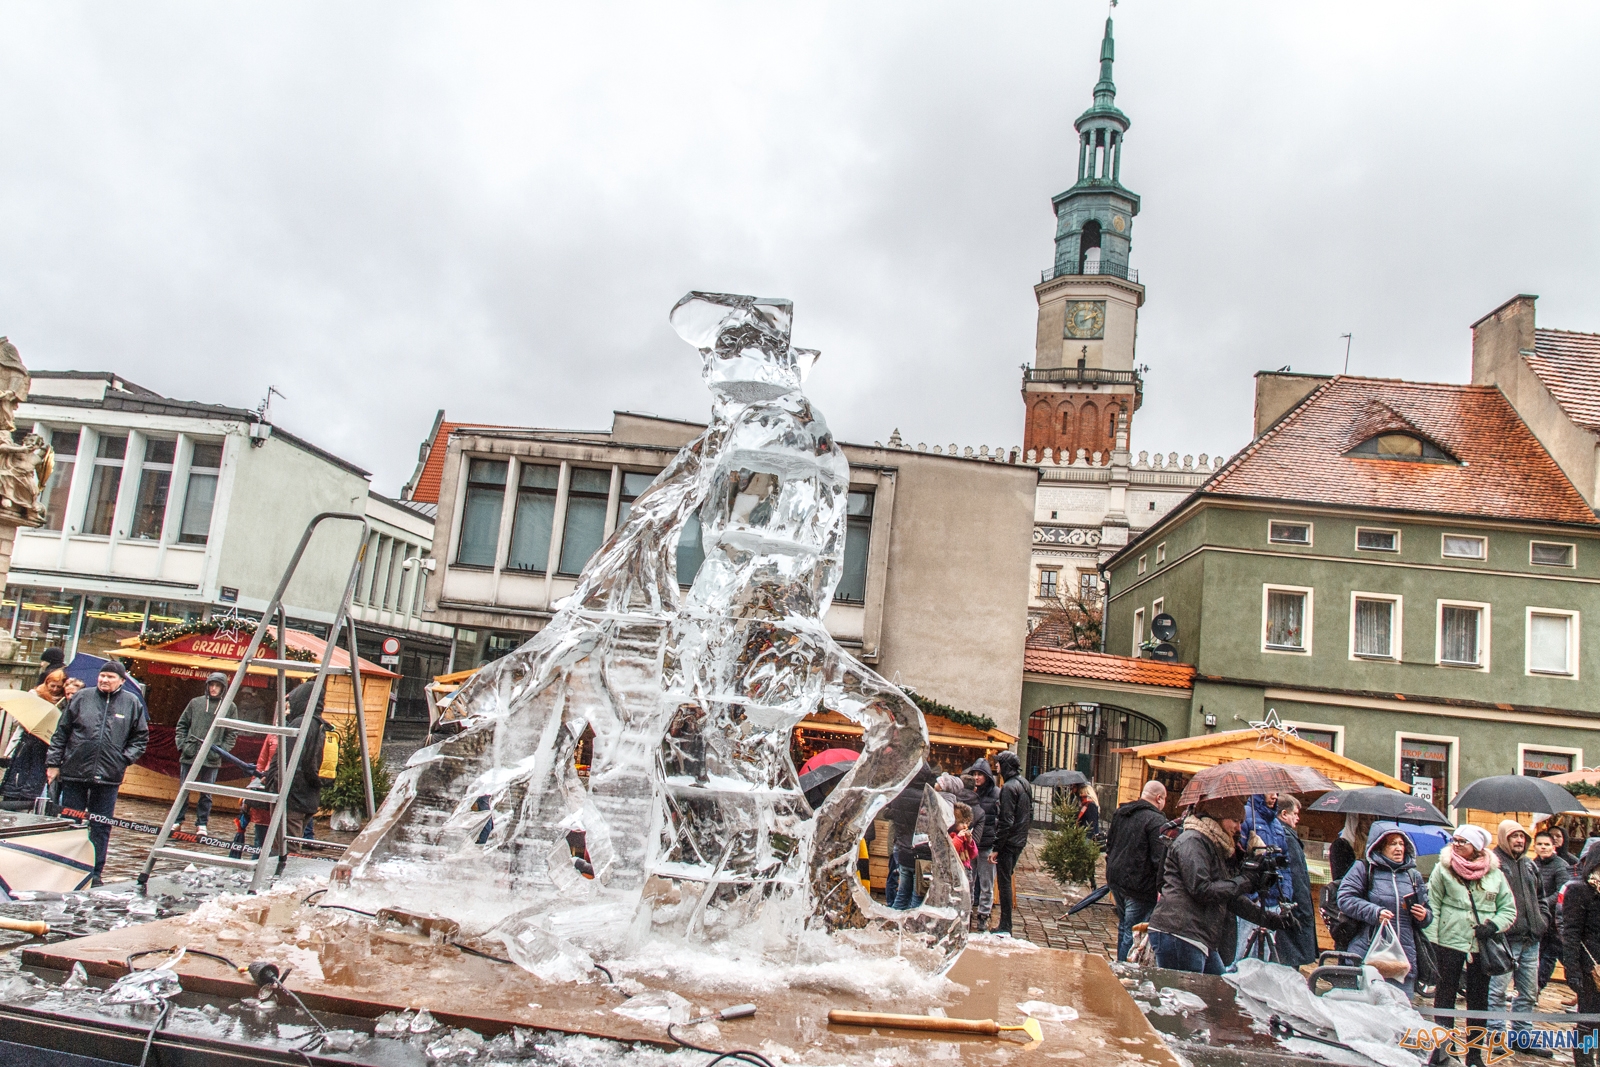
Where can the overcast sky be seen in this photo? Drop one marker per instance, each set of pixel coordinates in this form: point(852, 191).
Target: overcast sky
point(390, 208)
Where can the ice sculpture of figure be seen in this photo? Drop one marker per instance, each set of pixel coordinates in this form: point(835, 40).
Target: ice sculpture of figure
point(692, 813)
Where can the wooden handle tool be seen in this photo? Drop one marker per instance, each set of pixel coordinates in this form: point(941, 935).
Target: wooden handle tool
point(37, 929)
point(987, 1027)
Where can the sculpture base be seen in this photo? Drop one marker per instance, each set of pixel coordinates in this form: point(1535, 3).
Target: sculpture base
point(369, 970)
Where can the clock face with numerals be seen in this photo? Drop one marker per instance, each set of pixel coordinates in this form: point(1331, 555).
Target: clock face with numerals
point(1086, 319)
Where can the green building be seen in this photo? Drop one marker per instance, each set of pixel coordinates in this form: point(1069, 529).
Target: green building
point(1399, 570)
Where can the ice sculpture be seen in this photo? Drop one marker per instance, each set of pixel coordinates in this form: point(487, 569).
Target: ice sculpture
point(692, 814)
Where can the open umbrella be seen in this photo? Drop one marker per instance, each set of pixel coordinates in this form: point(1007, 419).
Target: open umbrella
point(1381, 801)
point(1516, 792)
point(827, 756)
point(816, 784)
point(1060, 779)
point(1248, 777)
point(1427, 840)
point(36, 714)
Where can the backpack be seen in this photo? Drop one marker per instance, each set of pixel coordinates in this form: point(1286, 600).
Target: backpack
point(330, 757)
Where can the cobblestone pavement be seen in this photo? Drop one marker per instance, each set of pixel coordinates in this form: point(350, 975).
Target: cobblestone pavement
point(1041, 911)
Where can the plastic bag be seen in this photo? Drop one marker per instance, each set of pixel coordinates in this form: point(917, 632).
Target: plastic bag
point(1386, 955)
point(1140, 954)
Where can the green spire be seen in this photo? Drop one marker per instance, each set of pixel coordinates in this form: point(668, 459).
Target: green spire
point(1105, 90)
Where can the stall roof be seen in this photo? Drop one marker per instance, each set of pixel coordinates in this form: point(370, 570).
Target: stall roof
point(223, 654)
point(1189, 754)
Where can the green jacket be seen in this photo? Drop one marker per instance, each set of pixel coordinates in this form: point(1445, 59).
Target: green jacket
point(196, 720)
point(1452, 913)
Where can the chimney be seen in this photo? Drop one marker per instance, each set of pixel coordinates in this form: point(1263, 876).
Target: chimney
point(1499, 339)
point(1278, 392)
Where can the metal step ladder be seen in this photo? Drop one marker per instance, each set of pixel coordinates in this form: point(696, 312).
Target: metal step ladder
point(274, 617)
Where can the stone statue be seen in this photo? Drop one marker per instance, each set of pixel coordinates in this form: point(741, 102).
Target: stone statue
point(25, 466)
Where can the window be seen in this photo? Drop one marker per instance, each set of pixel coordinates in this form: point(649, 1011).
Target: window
point(1158, 607)
point(1138, 630)
point(155, 480)
point(1161, 553)
point(107, 621)
point(585, 528)
point(1373, 628)
point(691, 553)
point(1289, 533)
point(1461, 635)
point(633, 483)
point(1286, 613)
point(1047, 584)
point(1402, 446)
point(533, 519)
point(1552, 642)
point(107, 477)
point(1461, 546)
point(201, 497)
point(1088, 585)
point(1428, 763)
point(499, 643)
point(857, 541)
point(1377, 540)
point(1551, 554)
point(1142, 564)
point(1543, 762)
point(480, 512)
point(65, 442)
point(1327, 739)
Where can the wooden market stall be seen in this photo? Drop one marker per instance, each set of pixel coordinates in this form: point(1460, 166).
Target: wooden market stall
point(173, 664)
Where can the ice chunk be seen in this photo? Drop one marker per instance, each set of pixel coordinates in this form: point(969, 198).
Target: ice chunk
point(690, 827)
point(393, 1023)
point(342, 1040)
point(1047, 1012)
point(78, 979)
point(659, 1006)
point(422, 1022)
point(143, 987)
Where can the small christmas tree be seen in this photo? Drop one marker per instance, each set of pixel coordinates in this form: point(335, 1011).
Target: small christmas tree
point(1068, 854)
point(348, 791)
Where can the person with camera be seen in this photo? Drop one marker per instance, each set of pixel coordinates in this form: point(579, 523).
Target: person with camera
point(1471, 902)
point(1580, 942)
point(1206, 880)
point(1386, 888)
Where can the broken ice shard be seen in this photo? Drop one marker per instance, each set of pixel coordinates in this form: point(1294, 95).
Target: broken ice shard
point(691, 815)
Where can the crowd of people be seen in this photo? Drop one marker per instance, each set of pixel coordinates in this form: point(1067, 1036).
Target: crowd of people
point(103, 730)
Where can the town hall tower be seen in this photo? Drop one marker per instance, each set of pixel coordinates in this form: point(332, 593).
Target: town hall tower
point(1082, 389)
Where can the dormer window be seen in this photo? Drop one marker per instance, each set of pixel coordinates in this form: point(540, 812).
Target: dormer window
point(1401, 446)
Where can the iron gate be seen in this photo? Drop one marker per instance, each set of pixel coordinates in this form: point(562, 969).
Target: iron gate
point(1084, 738)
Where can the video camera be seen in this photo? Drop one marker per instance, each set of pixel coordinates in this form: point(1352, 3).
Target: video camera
point(1261, 865)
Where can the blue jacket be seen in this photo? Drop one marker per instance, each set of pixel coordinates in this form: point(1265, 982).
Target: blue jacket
point(1390, 883)
point(1262, 820)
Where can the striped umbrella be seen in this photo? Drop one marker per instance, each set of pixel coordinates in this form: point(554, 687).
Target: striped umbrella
point(1248, 777)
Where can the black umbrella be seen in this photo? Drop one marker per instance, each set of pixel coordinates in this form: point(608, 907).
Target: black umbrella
point(1516, 792)
point(817, 784)
point(1381, 801)
point(1060, 779)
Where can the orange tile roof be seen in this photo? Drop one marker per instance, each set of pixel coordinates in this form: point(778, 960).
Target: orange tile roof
point(1103, 667)
point(1568, 364)
point(432, 474)
point(1504, 473)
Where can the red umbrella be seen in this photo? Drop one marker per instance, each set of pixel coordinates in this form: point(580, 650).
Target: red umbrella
point(1248, 777)
point(827, 756)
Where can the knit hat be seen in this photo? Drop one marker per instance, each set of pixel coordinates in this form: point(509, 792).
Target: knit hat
point(1476, 836)
point(948, 783)
point(112, 666)
point(1223, 808)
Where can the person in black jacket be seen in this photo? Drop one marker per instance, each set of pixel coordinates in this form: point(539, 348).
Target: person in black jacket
point(1011, 831)
point(1296, 947)
point(1204, 884)
point(985, 807)
point(1580, 942)
point(901, 889)
point(1554, 872)
point(1135, 851)
point(305, 787)
point(100, 733)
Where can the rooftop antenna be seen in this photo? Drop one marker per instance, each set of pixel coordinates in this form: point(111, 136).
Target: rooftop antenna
point(1347, 338)
point(261, 429)
point(266, 405)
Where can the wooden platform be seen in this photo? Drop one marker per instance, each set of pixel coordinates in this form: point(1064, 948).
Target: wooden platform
point(369, 970)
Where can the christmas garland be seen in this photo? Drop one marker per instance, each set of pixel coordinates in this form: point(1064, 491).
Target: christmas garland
point(207, 627)
point(930, 706)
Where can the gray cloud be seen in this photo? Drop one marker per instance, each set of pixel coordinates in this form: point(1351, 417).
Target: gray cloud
point(384, 209)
